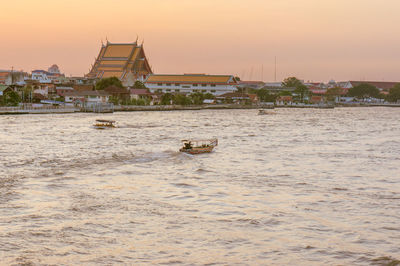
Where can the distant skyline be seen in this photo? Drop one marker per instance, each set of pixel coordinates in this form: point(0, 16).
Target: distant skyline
point(312, 39)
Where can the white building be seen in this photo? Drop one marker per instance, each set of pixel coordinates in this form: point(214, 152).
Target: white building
point(86, 97)
point(44, 90)
point(41, 76)
point(273, 84)
point(54, 69)
point(189, 83)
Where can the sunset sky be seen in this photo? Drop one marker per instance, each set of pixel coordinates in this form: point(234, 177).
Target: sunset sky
point(314, 40)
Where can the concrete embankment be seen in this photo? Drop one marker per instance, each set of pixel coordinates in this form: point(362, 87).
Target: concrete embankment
point(123, 108)
point(133, 108)
point(368, 104)
point(129, 108)
point(19, 111)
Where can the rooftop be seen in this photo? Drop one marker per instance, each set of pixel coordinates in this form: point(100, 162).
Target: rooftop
point(191, 78)
point(139, 92)
point(385, 85)
point(87, 93)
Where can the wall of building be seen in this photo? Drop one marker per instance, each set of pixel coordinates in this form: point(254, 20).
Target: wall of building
point(218, 89)
point(41, 77)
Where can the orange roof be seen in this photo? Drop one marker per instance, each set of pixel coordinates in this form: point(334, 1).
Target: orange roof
point(285, 98)
point(116, 59)
point(135, 53)
point(316, 98)
point(385, 85)
point(190, 78)
point(113, 62)
point(117, 74)
point(119, 50)
point(110, 68)
point(253, 97)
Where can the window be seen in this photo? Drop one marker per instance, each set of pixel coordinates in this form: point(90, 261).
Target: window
point(213, 85)
point(177, 90)
point(177, 84)
point(168, 84)
point(195, 90)
point(203, 90)
point(213, 90)
point(168, 89)
point(159, 84)
point(159, 90)
point(204, 85)
point(194, 85)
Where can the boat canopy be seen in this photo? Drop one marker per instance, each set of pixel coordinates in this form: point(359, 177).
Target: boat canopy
point(105, 121)
point(210, 141)
point(198, 140)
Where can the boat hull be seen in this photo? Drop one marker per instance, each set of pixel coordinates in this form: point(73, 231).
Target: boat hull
point(198, 150)
point(99, 126)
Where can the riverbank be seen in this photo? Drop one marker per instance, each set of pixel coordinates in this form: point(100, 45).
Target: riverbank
point(120, 108)
point(129, 108)
point(38, 110)
point(136, 108)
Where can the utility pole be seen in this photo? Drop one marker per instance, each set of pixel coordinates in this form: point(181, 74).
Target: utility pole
point(262, 72)
point(275, 68)
point(12, 75)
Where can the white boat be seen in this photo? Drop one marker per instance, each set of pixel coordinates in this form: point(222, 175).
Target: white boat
point(104, 124)
point(193, 146)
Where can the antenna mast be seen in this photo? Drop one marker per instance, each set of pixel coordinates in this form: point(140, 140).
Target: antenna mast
point(262, 72)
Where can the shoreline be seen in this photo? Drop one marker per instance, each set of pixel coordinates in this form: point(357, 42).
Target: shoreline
point(160, 108)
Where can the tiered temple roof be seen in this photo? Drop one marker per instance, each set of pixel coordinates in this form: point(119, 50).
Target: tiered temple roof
point(120, 60)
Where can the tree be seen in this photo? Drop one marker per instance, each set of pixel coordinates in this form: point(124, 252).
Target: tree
point(265, 96)
point(209, 96)
point(334, 92)
point(285, 93)
point(241, 89)
point(301, 90)
point(291, 82)
point(11, 98)
point(113, 99)
point(394, 94)
point(180, 99)
point(166, 99)
point(262, 94)
point(60, 99)
point(139, 102)
point(27, 94)
point(139, 85)
point(364, 90)
point(107, 82)
point(197, 98)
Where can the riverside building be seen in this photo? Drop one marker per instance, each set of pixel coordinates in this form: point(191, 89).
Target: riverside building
point(190, 83)
point(126, 61)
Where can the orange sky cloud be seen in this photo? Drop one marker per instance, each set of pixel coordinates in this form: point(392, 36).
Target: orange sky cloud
point(312, 39)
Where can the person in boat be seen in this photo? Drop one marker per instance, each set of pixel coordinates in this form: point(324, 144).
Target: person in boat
point(188, 145)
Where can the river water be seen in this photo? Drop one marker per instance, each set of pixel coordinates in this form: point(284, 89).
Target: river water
point(294, 187)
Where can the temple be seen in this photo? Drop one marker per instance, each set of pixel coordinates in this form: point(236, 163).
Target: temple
point(126, 61)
